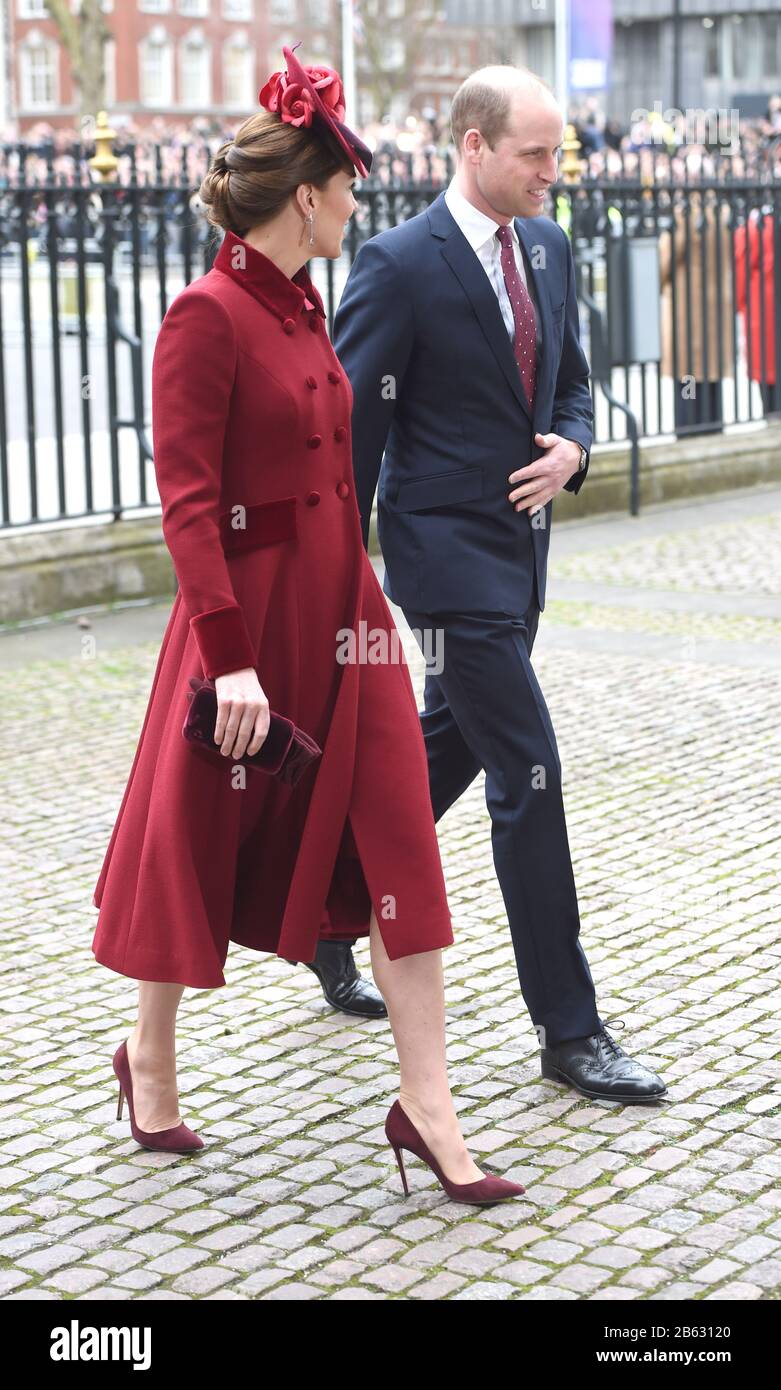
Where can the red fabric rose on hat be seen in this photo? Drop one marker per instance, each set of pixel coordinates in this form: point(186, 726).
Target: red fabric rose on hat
point(328, 85)
point(294, 103)
point(269, 95)
point(296, 106)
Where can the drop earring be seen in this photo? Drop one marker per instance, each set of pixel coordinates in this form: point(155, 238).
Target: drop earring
point(310, 221)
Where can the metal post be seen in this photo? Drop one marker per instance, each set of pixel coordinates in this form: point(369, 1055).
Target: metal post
point(561, 56)
point(104, 164)
point(676, 80)
point(348, 59)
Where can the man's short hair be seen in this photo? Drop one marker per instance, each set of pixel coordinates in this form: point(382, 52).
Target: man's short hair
point(483, 101)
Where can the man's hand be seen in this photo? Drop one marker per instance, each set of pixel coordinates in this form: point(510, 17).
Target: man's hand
point(547, 475)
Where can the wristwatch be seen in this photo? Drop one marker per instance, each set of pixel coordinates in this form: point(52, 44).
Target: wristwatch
point(583, 457)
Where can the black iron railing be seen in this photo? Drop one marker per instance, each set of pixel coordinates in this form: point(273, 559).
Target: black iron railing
point(87, 271)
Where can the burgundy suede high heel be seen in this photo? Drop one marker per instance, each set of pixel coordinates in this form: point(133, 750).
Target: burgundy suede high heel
point(402, 1134)
point(178, 1139)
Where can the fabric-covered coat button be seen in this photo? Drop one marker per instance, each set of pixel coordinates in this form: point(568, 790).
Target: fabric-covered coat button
point(314, 441)
point(333, 377)
point(343, 489)
point(340, 433)
point(313, 499)
point(311, 383)
point(289, 325)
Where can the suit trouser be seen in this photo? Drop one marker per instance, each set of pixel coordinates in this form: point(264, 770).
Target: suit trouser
point(485, 709)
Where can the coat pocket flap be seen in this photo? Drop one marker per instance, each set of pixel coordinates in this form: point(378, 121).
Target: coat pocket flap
point(438, 489)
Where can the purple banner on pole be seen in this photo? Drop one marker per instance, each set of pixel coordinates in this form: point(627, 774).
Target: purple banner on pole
point(590, 44)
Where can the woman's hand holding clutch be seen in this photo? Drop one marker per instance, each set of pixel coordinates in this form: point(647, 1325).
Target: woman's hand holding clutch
point(242, 713)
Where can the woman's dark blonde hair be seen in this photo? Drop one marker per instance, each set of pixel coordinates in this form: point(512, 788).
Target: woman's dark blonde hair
point(251, 177)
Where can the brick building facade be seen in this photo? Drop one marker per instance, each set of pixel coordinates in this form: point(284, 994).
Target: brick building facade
point(174, 60)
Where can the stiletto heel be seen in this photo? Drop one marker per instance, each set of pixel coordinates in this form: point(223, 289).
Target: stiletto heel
point(401, 1133)
point(177, 1139)
point(400, 1162)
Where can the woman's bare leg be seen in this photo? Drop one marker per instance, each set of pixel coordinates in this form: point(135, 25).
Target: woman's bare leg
point(413, 990)
point(151, 1053)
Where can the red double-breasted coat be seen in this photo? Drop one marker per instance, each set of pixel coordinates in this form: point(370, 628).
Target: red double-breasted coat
point(252, 444)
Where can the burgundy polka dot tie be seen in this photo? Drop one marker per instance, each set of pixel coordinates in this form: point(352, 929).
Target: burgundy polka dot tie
point(523, 313)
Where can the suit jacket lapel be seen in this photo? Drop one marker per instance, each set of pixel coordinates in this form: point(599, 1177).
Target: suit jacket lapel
point(468, 270)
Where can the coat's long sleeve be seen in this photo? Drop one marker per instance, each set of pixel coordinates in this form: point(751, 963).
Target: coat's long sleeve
point(193, 371)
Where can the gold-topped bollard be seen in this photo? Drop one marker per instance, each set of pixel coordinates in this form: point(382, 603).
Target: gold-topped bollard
point(570, 167)
point(104, 162)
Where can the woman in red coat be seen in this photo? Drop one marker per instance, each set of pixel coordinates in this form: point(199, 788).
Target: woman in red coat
point(251, 425)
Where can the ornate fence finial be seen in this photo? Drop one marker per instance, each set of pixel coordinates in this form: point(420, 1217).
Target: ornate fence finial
point(104, 161)
point(571, 166)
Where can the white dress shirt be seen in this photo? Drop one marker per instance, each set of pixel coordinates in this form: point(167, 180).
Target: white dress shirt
point(480, 232)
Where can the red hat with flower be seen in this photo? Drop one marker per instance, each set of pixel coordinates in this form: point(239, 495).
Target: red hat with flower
point(303, 95)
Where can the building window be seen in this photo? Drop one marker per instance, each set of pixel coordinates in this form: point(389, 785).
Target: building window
point(712, 45)
point(237, 9)
point(283, 12)
point(318, 11)
point(238, 73)
point(745, 44)
point(155, 55)
point(38, 73)
point(110, 70)
point(154, 6)
point(393, 53)
point(195, 71)
point(320, 48)
point(771, 45)
point(194, 9)
point(540, 56)
point(32, 9)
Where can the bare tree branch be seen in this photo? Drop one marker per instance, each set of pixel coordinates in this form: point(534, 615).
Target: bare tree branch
point(83, 37)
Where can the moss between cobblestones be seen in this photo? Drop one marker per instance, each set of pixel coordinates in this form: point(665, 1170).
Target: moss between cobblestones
point(702, 559)
point(688, 626)
point(69, 615)
point(128, 671)
point(431, 1271)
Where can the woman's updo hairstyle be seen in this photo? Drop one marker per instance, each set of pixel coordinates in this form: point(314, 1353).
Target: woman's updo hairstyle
point(251, 177)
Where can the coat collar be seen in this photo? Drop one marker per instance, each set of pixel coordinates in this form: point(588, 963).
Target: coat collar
point(264, 280)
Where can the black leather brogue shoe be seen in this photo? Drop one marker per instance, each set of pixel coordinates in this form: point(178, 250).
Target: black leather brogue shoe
point(598, 1068)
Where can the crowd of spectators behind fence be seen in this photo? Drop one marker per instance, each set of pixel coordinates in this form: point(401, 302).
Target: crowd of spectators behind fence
point(419, 150)
point(655, 148)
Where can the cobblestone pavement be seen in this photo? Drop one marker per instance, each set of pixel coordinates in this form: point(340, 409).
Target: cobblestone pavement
point(659, 656)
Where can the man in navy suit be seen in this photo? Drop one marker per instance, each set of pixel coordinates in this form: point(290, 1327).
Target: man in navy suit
point(459, 332)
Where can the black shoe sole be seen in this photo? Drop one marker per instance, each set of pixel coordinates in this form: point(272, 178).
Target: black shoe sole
point(560, 1078)
point(355, 1013)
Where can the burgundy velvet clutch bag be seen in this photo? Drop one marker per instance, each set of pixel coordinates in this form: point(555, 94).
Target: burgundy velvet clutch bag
point(286, 751)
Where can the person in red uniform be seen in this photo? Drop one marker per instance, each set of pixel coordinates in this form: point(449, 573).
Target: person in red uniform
point(252, 450)
point(755, 300)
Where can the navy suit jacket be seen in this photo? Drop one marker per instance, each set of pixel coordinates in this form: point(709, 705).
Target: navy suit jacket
point(440, 416)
